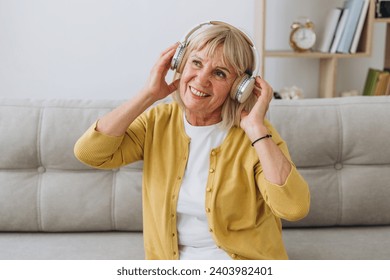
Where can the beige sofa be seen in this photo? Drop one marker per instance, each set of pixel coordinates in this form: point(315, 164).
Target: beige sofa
point(54, 207)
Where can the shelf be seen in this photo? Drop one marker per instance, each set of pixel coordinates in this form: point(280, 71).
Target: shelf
point(328, 61)
point(311, 54)
point(386, 20)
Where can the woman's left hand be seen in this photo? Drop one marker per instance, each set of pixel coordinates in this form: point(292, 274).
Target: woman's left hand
point(276, 166)
point(253, 122)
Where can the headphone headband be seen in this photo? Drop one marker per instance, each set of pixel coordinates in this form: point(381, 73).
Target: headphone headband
point(184, 41)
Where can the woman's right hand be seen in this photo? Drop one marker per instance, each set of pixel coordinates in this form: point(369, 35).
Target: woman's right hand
point(156, 86)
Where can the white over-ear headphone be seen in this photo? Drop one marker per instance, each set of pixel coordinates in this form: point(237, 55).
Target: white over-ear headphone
point(243, 86)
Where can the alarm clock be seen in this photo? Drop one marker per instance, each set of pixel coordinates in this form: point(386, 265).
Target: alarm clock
point(302, 36)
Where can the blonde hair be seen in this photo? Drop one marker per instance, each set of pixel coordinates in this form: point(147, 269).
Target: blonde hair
point(236, 52)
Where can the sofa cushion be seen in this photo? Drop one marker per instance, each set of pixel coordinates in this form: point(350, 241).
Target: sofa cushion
point(44, 187)
point(341, 146)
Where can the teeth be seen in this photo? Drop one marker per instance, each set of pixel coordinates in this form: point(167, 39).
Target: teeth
point(198, 93)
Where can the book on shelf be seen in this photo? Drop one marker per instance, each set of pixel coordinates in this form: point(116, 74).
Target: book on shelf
point(377, 82)
point(382, 9)
point(381, 83)
point(387, 92)
point(331, 22)
point(355, 9)
point(339, 30)
point(359, 27)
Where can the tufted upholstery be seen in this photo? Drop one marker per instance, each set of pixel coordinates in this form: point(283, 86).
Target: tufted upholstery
point(342, 148)
point(45, 188)
point(52, 206)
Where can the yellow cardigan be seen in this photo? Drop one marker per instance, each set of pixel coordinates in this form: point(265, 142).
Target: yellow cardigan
point(243, 209)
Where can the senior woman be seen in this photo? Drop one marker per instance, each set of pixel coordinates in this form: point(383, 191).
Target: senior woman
point(217, 178)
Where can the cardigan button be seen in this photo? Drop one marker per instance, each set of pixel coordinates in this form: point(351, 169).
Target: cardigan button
point(233, 256)
point(208, 210)
point(208, 189)
point(213, 153)
point(211, 170)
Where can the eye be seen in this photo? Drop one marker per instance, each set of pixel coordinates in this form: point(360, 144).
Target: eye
point(196, 63)
point(220, 74)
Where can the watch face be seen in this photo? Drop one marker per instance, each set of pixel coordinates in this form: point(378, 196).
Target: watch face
point(304, 38)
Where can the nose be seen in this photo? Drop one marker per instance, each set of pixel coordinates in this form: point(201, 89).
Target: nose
point(203, 77)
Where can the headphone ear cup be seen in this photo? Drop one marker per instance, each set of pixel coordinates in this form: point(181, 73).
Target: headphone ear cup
point(242, 88)
point(178, 57)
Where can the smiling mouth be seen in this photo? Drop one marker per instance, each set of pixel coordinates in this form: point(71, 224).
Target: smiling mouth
point(198, 93)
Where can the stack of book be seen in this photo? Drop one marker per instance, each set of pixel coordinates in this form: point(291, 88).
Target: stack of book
point(343, 27)
point(377, 82)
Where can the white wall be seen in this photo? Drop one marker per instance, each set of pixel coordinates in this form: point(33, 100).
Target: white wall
point(96, 48)
point(105, 48)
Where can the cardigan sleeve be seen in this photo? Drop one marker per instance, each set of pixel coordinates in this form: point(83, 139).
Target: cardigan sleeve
point(290, 201)
point(103, 151)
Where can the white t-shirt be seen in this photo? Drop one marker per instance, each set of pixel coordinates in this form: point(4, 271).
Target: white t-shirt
point(195, 240)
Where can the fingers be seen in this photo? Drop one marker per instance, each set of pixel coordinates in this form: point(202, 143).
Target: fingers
point(167, 55)
point(162, 65)
point(262, 88)
point(262, 84)
point(264, 93)
point(170, 48)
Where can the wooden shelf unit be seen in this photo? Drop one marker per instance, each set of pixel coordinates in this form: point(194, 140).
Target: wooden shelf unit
point(328, 61)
